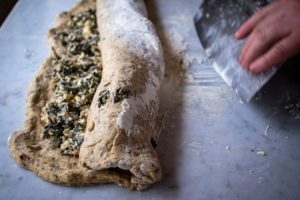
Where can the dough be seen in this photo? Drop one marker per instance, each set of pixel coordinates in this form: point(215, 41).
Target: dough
point(133, 61)
point(117, 145)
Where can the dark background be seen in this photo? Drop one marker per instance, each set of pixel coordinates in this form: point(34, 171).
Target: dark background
point(5, 8)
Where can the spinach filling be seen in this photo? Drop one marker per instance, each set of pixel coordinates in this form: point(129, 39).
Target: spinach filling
point(76, 76)
point(120, 94)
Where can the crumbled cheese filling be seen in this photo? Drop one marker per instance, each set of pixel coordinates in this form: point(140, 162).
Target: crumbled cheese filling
point(76, 76)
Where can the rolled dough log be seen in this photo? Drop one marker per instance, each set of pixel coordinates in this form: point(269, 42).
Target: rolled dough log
point(119, 134)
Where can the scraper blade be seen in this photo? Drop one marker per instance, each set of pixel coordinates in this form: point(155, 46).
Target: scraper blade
point(216, 23)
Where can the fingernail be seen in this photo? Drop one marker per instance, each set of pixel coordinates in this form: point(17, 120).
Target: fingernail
point(236, 35)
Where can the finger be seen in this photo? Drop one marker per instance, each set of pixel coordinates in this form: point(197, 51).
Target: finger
point(282, 50)
point(243, 57)
point(261, 40)
point(248, 26)
point(260, 31)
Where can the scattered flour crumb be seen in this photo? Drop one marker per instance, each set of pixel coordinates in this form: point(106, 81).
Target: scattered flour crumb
point(197, 147)
point(293, 109)
point(251, 171)
point(200, 59)
point(227, 148)
point(177, 60)
point(288, 106)
point(286, 137)
point(187, 61)
point(207, 15)
point(261, 153)
point(189, 77)
point(208, 52)
point(267, 130)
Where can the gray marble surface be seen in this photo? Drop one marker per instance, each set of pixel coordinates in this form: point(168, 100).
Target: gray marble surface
point(192, 149)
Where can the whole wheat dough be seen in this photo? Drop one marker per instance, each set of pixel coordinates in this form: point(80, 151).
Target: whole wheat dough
point(119, 152)
point(121, 133)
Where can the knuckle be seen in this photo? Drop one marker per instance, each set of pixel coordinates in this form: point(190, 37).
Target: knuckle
point(280, 49)
point(262, 34)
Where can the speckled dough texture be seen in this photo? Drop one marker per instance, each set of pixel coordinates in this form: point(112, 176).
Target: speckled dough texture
point(117, 147)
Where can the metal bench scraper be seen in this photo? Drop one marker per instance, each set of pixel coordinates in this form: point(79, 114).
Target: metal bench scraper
point(216, 23)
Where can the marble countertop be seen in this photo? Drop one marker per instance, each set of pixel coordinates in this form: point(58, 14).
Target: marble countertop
point(209, 148)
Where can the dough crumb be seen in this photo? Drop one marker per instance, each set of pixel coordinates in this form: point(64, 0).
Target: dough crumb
point(200, 59)
point(208, 52)
point(261, 153)
point(189, 77)
point(177, 60)
point(227, 148)
point(293, 109)
point(267, 130)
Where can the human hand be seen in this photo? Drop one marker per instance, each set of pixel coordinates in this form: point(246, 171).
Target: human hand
point(273, 36)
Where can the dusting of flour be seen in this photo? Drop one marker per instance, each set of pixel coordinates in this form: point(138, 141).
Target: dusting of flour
point(130, 27)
